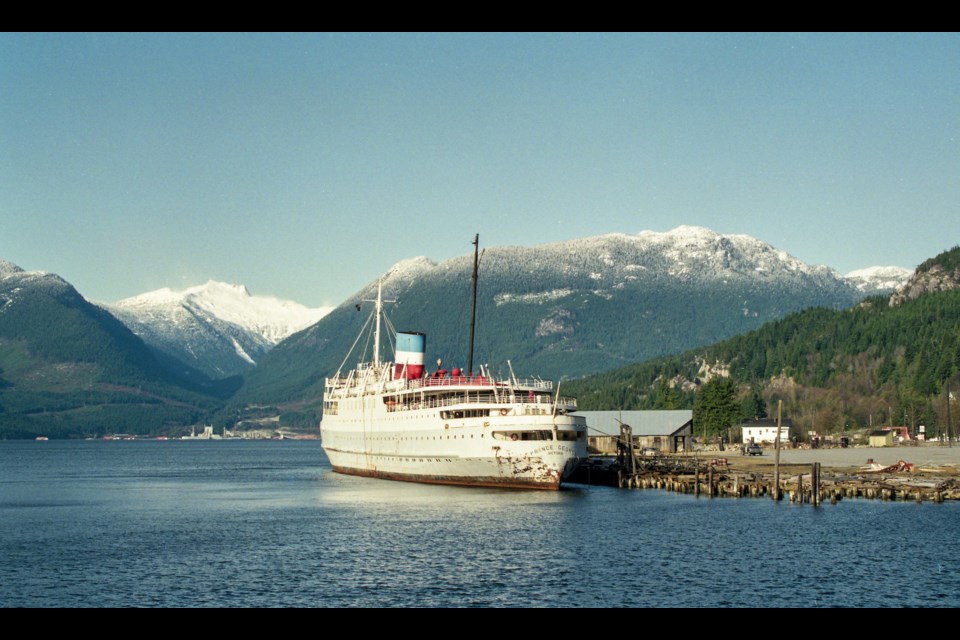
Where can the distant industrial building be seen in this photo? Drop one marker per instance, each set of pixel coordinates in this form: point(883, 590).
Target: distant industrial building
point(899, 433)
point(881, 438)
point(764, 430)
point(666, 431)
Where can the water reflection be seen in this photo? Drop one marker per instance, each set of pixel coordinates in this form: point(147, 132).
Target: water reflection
point(270, 524)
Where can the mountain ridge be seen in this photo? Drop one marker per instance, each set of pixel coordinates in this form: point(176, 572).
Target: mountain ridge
point(886, 359)
point(879, 279)
point(215, 328)
point(565, 309)
point(218, 328)
point(71, 368)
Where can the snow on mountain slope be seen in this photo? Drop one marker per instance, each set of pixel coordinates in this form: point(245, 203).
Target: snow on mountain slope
point(570, 308)
point(217, 327)
point(879, 279)
point(271, 318)
point(14, 280)
point(8, 269)
point(605, 264)
point(686, 254)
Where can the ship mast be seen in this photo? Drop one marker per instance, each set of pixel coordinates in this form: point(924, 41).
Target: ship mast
point(378, 311)
point(376, 335)
point(473, 306)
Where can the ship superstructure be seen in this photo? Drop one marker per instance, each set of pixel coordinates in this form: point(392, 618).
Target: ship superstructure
point(398, 421)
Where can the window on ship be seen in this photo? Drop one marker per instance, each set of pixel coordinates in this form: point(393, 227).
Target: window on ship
point(569, 436)
point(523, 435)
point(465, 413)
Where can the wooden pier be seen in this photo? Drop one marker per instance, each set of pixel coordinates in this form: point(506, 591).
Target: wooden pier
point(717, 477)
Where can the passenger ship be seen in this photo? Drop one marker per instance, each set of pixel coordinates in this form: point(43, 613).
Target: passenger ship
point(395, 420)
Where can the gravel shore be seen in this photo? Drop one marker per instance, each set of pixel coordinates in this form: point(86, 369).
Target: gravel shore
point(933, 456)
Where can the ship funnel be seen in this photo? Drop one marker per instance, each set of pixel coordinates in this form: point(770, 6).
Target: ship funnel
point(410, 349)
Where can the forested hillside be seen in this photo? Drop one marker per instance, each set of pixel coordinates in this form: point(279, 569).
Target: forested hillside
point(871, 364)
point(68, 368)
point(562, 310)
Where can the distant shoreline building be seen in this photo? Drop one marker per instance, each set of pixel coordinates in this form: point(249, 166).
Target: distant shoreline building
point(764, 430)
point(881, 438)
point(664, 430)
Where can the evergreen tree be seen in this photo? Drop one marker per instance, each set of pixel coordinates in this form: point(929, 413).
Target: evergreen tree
point(667, 396)
point(716, 408)
point(753, 406)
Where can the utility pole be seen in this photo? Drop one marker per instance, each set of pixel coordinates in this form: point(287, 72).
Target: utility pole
point(949, 426)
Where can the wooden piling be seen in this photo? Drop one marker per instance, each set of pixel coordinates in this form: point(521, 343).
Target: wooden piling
point(815, 483)
point(776, 455)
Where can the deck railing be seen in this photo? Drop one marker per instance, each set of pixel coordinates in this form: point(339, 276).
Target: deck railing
point(437, 402)
point(369, 377)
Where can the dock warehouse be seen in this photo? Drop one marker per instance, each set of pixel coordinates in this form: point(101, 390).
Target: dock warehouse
point(664, 430)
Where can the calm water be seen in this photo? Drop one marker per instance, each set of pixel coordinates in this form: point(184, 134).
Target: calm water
point(268, 524)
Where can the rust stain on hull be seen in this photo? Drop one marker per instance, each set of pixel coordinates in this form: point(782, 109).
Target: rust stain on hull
point(550, 484)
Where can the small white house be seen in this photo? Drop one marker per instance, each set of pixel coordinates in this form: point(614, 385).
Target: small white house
point(765, 431)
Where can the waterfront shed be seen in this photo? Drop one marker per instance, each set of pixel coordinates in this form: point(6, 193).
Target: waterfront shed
point(666, 431)
point(881, 438)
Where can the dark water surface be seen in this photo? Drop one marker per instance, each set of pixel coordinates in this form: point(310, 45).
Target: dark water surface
point(236, 523)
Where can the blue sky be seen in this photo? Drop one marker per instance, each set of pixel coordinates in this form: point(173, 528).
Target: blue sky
point(304, 165)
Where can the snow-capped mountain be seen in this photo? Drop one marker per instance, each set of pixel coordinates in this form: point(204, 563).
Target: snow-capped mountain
point(14, 277)
point(68, 367)
point(570, 308)
point(685, 255)
point(218, 328)
point(879, 280)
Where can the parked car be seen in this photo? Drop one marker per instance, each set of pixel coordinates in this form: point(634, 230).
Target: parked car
point(753, 449)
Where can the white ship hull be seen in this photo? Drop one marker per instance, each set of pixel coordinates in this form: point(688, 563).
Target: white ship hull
point(394, 420)
point(541, 470)
point(519, 444)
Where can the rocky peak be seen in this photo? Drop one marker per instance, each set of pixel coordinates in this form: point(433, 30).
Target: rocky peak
point(941, 273)
point(933, 280)
point(8, 269)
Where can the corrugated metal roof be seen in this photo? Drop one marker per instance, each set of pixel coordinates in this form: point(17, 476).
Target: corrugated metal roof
point(643, 423)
